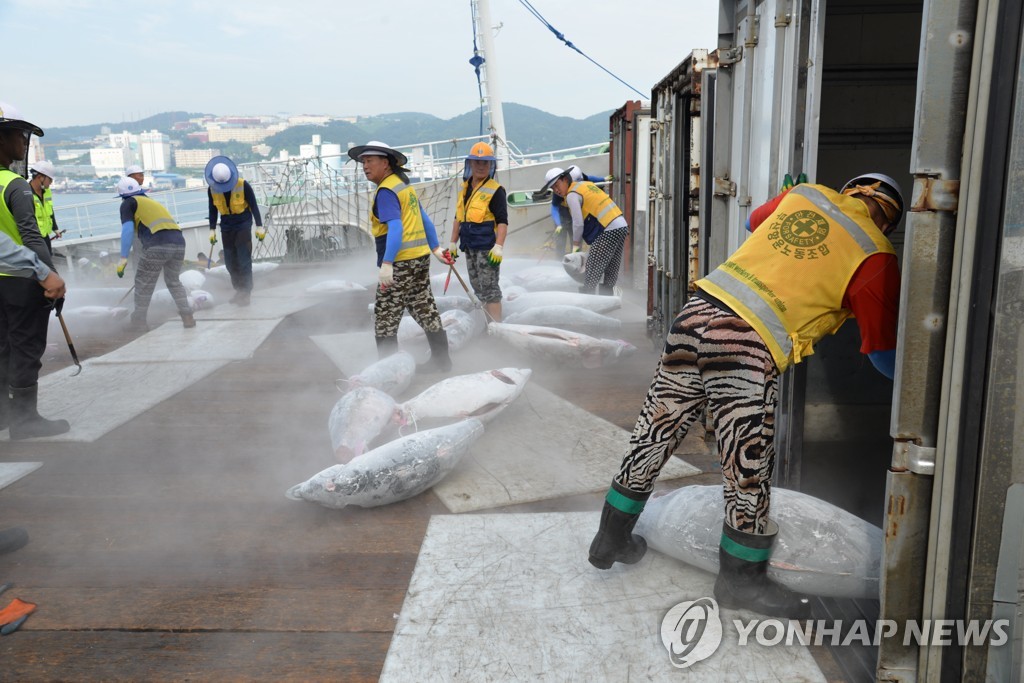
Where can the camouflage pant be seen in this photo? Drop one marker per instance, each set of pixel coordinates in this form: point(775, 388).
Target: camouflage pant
point(483, 276)
point(411, 291)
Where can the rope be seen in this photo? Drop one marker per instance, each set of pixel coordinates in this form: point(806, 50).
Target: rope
point(561, 37)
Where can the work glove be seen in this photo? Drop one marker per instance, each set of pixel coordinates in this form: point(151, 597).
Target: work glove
point(558, 229)
point(494, 255)
point(788, 183)
point(575, 248)
point(386, 275)
point(213, 237)
point(453, 251)
point(609, 178)
point(121, 265)
point(443, 256)
point(260, 233)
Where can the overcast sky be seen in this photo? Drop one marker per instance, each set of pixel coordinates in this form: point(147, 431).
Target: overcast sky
point(98, 61)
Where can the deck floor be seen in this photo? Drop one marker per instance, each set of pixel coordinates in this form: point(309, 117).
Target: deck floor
point(166, 549)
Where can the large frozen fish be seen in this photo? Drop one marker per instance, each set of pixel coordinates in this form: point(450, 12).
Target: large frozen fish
point(592, 302)
point(575, 265)
point(480, 394)
point(460, 326)
point(192, 279)
point(162, 304)
point(450, 302)
point(566, 318)
point(260, 268)
point(392, 374)
point(544, 278)
point(563, 346)
point(358, 418)
point(397, 470)
point(821, 549)
point(335, 287)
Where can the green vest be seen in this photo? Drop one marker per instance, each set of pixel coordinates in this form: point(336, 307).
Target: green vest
point(44, 212)
point(8, 225)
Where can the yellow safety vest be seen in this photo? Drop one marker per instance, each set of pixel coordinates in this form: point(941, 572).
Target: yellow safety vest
point(414, 235)
point(598, 209)
point(237, 204)
point(153, 215)
point(478, 208)
point(44, 211)
point(789, 278)
point(8, 225)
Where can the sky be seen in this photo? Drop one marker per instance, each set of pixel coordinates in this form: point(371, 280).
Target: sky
point(99, 61)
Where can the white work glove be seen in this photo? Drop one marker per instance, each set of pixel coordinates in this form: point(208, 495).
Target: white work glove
point(575, 248)
point(494, 255)
point(443, 256)
point(386, 275)
point(558, 229)
point(213, 237)
point(453, 250)
point(260, 233)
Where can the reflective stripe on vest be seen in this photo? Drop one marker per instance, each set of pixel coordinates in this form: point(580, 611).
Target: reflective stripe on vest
point(478, 208)
point(44, 212)
point(414, 235)
point(789, 278)
point(238, 204)
point(153, 215)
point(596, 202)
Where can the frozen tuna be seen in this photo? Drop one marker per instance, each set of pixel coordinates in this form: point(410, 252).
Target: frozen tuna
point(358, 418)
point(544, 278)
point(460, 326)
point(391, 375)
point(575, 265)
point(562, 346)
point(192, 279)
point(480, 394)
point(566, 318)
point(260, 268)
point(592, 302)
point(450, 302)
point(820, 550)
point(398, 470)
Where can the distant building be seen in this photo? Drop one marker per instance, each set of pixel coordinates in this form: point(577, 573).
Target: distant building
point(110, 161)
point(71, 154)
point(155, 149)
point(237, 134)
point(167, 181)
point(193, 158)
point(309, 119)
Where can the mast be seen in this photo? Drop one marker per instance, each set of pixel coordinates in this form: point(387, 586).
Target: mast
point(492, 94)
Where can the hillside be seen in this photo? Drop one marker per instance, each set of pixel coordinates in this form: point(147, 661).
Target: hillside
point(529, 129)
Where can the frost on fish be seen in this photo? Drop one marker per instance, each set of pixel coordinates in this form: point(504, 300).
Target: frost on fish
point(544, 278)
point(820, 550)
point(575, 265)
point(460, 327)
point(566, 317)
point(398, 470)
point(481, 395)
point(563, 346)
point(598, 303)
point(392, 374)
point(358, 418)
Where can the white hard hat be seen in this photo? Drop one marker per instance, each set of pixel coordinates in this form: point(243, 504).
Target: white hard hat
point(10, 117)
point(134, 168)
point(888, 187)
point(45, 168)
point(221, 173)
point(126, 187)
point(575, 173)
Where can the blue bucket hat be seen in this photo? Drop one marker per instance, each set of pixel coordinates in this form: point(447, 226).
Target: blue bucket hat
point(221, 174)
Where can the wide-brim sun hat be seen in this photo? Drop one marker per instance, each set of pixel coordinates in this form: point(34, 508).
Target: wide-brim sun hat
point(551, 177)
point(221, 174)
point(378, 148)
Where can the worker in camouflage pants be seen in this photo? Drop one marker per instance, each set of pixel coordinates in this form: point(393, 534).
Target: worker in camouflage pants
point(405, 237)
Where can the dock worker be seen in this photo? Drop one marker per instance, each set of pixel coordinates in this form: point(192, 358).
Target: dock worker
point(405, 238)
point(561, 217)
point(481, 225)
point(818, 258)
point(24, 305)
point(163, 250)
point(597, 221)
point(42, 198)
point(233, 199)
point(136, 173)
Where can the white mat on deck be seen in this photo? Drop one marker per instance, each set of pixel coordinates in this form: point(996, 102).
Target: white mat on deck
point(209, 340)
point(267, 304)
point(512, 597)
point(11, 472)
point(544, 447)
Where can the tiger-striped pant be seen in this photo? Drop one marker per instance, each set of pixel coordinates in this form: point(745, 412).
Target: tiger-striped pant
point(712, 359)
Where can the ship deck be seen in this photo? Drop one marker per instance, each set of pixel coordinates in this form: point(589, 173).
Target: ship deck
point(165, 549)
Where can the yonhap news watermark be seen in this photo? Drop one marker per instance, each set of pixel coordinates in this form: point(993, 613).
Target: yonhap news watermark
point(692, 631)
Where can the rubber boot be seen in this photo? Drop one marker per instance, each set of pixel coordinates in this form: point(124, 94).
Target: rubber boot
point(26, 422)
point(583, 289)
point(615, 540)
point(12, 539)
point(188, 320)
point(605, 290)
point(743, 581)
point(439, 361)
point(243, 298)
point(387, 346)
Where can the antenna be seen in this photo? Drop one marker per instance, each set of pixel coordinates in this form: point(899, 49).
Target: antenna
point(492, 95)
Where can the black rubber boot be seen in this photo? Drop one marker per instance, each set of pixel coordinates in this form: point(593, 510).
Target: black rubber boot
point(583, 289)
point(386, 346)
point(12, 539)
point(743, 581)
point(615, 540)
point(605, 290)
point(439, 361)
point(26, 422)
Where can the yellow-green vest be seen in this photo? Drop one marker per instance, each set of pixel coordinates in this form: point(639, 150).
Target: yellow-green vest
point(8, 225)
point(236, 205)
point(478, 208)
point(414, 235)
point(153, 215)
point(44, 212)
point(789, 278)
point(598, 209)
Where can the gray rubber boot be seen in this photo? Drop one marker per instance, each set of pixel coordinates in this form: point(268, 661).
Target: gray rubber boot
point(439, 361)
point(386, 346)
